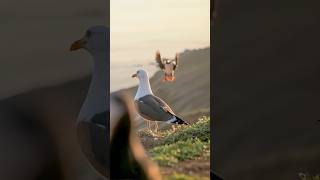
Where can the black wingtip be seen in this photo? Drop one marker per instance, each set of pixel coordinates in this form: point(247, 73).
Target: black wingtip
point(185, 123)
point(180, 121)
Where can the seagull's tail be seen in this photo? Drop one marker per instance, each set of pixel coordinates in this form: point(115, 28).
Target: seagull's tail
point(178, 120)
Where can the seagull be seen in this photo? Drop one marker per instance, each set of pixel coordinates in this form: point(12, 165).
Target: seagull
point(167, 66)
point(92, 119)
point(151, 107)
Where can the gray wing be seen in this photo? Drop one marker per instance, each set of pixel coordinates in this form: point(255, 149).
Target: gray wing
point(93, 138)
point(153, 108)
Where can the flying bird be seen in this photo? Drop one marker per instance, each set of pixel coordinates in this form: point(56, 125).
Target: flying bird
point(168, 66)
point(92, 119)
point(151, 107)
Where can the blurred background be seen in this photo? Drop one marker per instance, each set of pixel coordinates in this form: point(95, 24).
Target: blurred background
point(43, 86)
point(265, 86)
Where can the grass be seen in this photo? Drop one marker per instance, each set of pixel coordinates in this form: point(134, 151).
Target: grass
point(199, 130)
point(170, 154)
point(177, 176)
point(183, 143)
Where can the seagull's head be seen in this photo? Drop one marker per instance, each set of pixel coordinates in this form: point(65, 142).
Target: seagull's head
point(94, 41)
point(141, 74)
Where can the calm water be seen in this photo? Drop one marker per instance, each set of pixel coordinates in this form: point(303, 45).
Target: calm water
point(140, 27)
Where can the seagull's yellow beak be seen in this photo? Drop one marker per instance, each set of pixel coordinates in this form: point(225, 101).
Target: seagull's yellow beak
point(78, 44)
point(134, 75)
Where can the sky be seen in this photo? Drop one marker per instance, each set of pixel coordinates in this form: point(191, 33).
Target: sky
point(140, 27)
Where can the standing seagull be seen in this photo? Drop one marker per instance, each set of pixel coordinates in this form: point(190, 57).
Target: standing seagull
point(150, 106)
point(167, 66)
point(92, 119)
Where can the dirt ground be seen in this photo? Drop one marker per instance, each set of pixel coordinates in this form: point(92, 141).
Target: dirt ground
point(199, 168)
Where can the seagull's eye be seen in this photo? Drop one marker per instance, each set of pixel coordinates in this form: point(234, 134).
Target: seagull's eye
point(88, 33)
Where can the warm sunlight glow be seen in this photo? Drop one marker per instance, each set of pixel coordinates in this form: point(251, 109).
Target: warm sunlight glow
point(140, 27)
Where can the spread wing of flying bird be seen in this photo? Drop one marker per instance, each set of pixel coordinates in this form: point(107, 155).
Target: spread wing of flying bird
point(159, 61)
point(175, 62)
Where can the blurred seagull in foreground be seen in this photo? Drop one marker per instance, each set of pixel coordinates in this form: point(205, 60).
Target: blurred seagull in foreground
point(92, 119)
point(151, 107)
point(128, 158)
point(167, 66)
point(125, 158)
